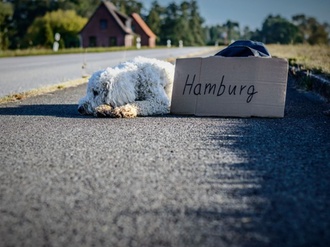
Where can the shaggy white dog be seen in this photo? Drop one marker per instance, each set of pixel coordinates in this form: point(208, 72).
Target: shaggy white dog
point(139, 87)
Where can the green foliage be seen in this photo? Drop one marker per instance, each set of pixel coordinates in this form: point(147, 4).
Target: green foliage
point(302, 29)
point(84, 8)
point(128, 6)
point(40, 33)
point(215, 34)
point(224, 34)
point(311, 30)
point(232, 30)
point(66, 23)
point(25, 11)
point(195, 25)
point(22, 26)
point(6, 12)
point(177, 22)
point(155, 18)
point(277, 29)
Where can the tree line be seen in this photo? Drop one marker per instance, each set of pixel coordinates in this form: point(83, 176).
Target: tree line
point(30, 23)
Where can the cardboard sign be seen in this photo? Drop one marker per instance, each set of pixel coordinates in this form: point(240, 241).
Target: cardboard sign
point(230, 86)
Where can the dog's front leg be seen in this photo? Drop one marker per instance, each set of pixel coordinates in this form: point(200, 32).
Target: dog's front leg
point(140, 108)
point(125, 111)
point(151, 107)
point(137, 108)
point(103, 111)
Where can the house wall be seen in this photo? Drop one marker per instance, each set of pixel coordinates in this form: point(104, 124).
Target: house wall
point(145, 39)
point(152, 42)
point(103, 36)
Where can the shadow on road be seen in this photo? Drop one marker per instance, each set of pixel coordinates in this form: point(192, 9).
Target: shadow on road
point(56, 110)
point(282, 184)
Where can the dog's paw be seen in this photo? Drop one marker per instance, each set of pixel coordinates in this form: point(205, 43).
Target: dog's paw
point(126, 111)
point(103, 111)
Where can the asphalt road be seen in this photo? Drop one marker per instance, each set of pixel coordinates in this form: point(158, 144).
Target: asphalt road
point(20, 74)
point(69, 180)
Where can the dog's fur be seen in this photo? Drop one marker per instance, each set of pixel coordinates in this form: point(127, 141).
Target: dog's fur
point(139, 87)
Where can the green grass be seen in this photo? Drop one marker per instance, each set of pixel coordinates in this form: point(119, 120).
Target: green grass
point(314, 58)
point(36, 52)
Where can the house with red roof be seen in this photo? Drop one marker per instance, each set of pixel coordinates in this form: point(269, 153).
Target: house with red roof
point(148, 38)
point(109, 27)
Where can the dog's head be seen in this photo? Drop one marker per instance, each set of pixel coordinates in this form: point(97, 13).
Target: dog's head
point(96, 94)
point(106, 87)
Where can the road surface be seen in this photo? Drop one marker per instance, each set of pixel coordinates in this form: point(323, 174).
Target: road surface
point(69, 180)
point(20, 74)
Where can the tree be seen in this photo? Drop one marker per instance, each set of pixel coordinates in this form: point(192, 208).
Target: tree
point(182, 22)
point(182, 27)
point(232, 30)
point(169, 27)
point(84, 8)
point(195, 24)
point(301, 22)
point(277, 29)
point(6, 12)
point(128, 6)
point(247, 33)
point(212, 34)
point(311, 30)
point(40, 33)
point(217, 34)
point(319, 34)
point(66, 23)
point(155, 18)
point(25, 11)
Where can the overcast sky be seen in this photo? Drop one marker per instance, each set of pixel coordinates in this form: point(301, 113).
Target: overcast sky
point(252, 13)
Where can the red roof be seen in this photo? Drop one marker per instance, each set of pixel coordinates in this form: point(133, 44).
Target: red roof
point(143, 25)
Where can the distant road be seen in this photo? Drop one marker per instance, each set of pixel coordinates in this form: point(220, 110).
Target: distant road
point(19, 74)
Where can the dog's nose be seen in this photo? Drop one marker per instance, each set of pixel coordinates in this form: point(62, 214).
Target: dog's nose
point(81, 110)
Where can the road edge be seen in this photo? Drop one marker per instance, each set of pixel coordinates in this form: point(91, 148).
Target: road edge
point(77, 82)
point(312, 82)
point(42, 90)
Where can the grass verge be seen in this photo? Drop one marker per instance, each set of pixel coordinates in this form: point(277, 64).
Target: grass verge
point(43, 90)
point(313, 58)
point(310, 66)
point(37, 52)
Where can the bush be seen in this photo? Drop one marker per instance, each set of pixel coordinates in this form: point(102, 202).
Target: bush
point(66, 23)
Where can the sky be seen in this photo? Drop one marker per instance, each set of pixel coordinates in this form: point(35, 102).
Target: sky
point(252, 13)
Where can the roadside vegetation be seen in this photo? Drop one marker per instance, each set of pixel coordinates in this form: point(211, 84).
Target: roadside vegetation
point(315, 58)
point(31, 24)
point(45, 51)
point(43, 90)
point(310, 65)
